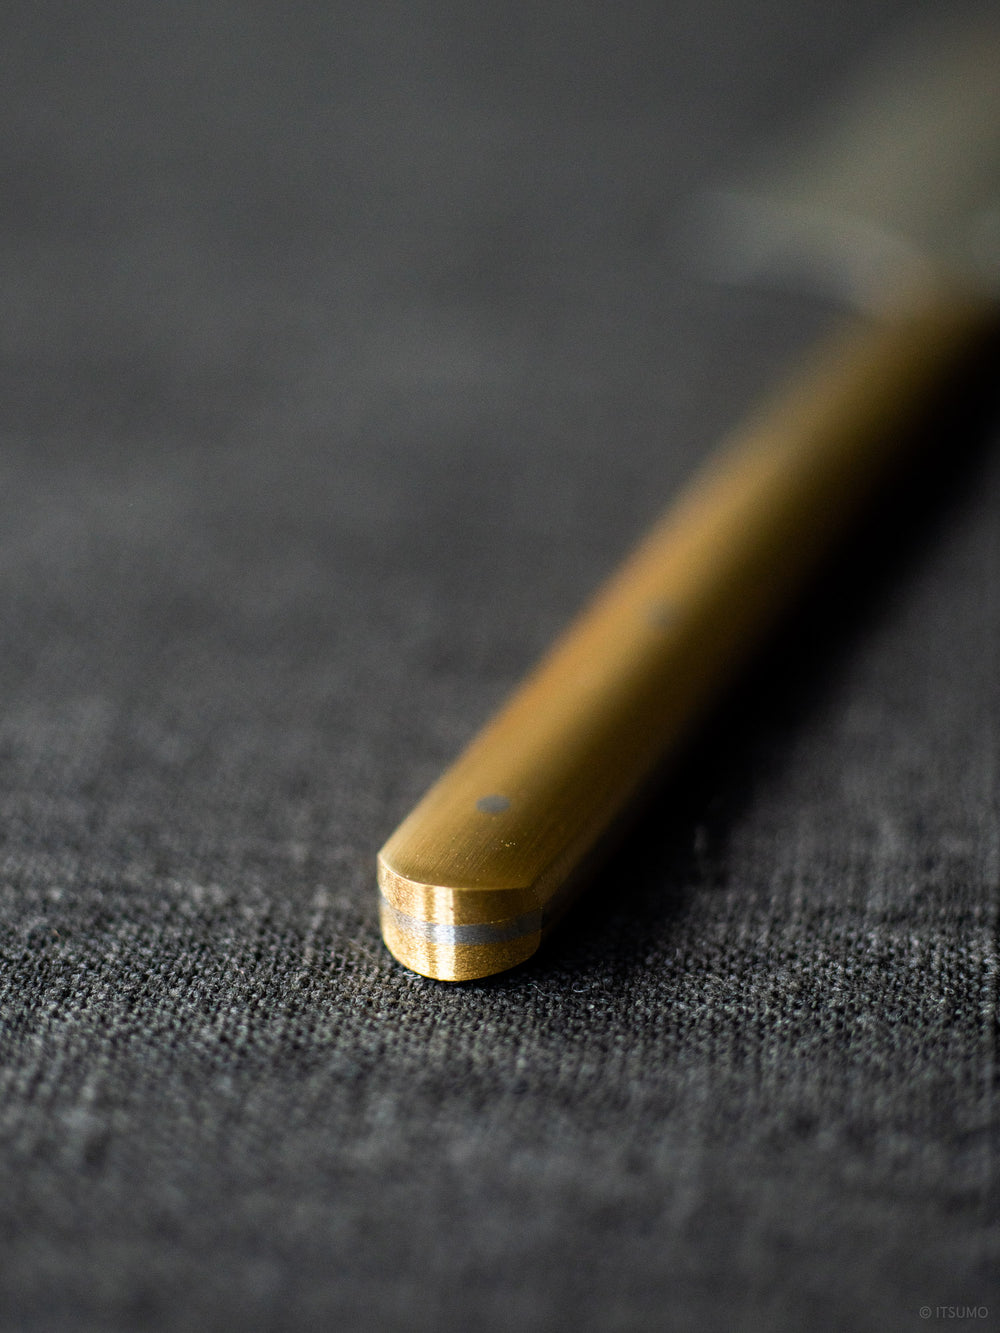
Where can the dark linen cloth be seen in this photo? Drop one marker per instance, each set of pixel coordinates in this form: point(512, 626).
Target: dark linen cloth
point(345, 349)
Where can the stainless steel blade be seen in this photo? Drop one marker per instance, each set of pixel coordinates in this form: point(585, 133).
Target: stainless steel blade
point(894, 197)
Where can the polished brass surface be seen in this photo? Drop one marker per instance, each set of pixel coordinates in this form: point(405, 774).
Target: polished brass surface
point(473, 877)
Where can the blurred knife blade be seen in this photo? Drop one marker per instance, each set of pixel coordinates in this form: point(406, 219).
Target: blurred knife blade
point(892, 196)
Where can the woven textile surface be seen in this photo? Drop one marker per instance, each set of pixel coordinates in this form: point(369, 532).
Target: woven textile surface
point(345, 350)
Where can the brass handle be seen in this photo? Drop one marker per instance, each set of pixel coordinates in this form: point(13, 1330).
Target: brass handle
point(492, 854)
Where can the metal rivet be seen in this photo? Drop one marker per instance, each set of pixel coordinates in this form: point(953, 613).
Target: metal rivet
point(661, 615)
point(493, 805)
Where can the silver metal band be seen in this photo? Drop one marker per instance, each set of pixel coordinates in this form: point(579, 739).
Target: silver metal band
point(439, 932)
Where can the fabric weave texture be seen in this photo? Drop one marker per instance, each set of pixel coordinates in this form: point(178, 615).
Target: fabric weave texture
point(346, 350)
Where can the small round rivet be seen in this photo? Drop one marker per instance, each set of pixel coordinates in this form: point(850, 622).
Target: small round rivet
point(660, 615)
point(493, 805)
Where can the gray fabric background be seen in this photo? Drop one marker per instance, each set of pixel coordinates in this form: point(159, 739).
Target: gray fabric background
point(345, 347)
